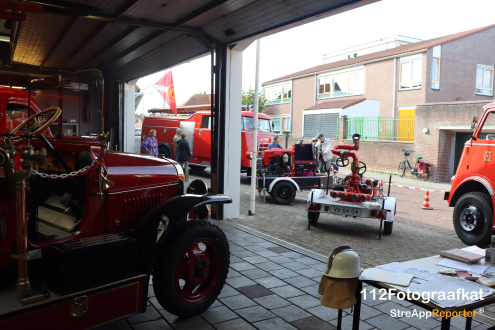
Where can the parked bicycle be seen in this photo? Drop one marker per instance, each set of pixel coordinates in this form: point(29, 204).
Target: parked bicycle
point(421, 169)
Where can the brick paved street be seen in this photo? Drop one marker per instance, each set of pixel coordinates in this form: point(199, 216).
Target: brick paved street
point(272, 287)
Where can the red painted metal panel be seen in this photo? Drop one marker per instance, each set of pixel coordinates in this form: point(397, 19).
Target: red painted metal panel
point(103, 307)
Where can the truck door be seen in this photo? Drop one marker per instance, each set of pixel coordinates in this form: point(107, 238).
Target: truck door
point(188, 129)
point(202, 140)
point(481, 156)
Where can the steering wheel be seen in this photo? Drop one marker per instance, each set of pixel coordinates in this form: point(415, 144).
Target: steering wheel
point(342, 162)
point(490, 137)
point(41, 128)
point(361, 168)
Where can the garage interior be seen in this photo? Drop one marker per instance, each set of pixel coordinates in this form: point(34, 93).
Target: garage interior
point(129, 39)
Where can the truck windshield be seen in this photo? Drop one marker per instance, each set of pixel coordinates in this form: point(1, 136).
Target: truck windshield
point(16, 114)
point(264, 125)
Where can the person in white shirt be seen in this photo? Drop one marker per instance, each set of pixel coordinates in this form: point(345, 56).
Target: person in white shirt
point(325, 156)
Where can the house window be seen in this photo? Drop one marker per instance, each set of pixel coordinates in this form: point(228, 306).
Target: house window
point(281, 123)
point(341, 84)
point(278, 94)
point(285, 124)
point(484, 80)
point(435, 67)
point(410, 72)
point(325, 84)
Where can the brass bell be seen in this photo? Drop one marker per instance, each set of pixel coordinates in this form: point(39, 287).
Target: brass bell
point(106, 184)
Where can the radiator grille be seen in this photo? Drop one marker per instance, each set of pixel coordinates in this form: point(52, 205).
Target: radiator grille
point(136, 208)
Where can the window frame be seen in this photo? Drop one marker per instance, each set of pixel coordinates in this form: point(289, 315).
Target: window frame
point(269, 93)
point(352, 73)
point(411, 60)
point(281, 118)
point(479, 90)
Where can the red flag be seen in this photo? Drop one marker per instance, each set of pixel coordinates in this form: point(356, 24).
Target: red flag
point(165, 86)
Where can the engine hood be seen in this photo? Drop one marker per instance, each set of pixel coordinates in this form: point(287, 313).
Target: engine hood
point(131, 171)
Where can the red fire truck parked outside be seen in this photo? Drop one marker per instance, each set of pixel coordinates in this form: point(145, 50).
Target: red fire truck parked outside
point(198, 130)
point(472, 192)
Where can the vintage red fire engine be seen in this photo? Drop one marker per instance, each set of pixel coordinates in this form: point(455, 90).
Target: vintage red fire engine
point(472, 192)
point(82, 228)
point(198, 130)
point(353, 195)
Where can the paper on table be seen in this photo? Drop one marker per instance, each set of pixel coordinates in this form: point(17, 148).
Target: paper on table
point(449, 287)
point(478, 269)
point(375, 274)
point(475, 249)
point(397, 267)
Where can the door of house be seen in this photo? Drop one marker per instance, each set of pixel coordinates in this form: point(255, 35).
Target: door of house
point(406, 124)
point(460, 139)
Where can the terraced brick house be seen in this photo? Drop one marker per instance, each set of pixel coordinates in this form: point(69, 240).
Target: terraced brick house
point(387, 83)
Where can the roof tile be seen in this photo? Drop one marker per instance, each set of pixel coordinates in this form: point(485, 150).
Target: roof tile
point(337, 104)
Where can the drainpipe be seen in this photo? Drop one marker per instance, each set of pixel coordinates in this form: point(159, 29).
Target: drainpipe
point(394, 95)
point(291, 98)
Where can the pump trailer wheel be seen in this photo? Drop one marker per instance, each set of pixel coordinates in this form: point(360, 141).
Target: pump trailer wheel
point(190, 270)
point(473, 219)
point(283, 193)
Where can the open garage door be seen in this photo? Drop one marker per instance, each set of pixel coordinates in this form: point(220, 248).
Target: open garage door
point(129, 39)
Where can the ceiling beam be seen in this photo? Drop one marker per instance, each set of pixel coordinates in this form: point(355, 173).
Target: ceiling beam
point(121, 37)
point(59, 40)
point(176, 24)
point(134, 47)
point(200, 11)
point(98, 29)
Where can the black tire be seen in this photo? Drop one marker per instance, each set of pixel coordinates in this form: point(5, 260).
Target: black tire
point(313, 217)
point(164, 149)
point(283, 193)
point(248, 171)
point(424, 176)
point(173, 262)
point(197, 167)
point(402, 169)
point(387, 227)
point(473, 219)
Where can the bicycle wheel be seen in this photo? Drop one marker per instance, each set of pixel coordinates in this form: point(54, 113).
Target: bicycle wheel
point(402, 168)
point(425, 175)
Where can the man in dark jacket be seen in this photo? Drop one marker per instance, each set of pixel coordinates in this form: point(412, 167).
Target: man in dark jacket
point(184, 155)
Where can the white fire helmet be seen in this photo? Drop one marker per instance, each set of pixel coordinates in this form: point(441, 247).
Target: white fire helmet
point(343, 263)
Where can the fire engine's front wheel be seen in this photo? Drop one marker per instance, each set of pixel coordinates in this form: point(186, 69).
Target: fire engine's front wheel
point(283, 193)
point(473, 219)
point(191, 269)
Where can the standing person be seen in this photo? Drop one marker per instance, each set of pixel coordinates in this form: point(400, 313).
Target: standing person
point(177, 138)
point(274, 143)
point(314, 141)
point(324, 153)
point(184, 155)
point(150, 144)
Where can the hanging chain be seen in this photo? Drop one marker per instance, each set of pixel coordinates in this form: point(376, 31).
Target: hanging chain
point(80, 172)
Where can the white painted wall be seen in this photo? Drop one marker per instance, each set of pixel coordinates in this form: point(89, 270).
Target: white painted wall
point(232, 175)
point(367, 108)
point(129, 110)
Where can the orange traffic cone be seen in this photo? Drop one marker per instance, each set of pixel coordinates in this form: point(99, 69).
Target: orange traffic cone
point(426, 203)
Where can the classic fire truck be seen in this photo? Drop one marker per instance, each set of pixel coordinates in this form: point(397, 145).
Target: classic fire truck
point(198, 130)
point(472, 192)
point(82, 228)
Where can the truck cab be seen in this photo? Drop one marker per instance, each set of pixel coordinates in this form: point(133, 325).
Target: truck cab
point(472, 192)
point(198, 129)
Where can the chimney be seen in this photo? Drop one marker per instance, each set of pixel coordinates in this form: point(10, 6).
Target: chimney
point(355, 55)
point(348, 57)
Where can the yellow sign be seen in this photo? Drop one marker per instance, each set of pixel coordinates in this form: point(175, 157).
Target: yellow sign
point(488, 156)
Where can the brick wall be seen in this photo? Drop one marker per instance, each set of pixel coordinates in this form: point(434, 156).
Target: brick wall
point(379, 84)
point(278, 109)
point(303, 97)
point(435, 146)
point(458, 67)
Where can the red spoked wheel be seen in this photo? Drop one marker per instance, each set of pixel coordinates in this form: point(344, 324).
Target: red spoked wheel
point(190, 269)
point(198, 270)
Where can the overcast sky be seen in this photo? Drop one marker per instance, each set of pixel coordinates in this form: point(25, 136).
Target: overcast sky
point(303, 47)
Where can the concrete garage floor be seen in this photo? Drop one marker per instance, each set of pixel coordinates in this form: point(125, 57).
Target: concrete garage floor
point(272, 287)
